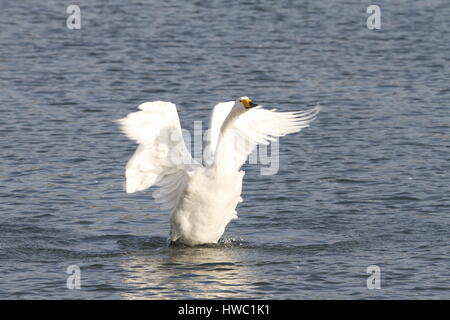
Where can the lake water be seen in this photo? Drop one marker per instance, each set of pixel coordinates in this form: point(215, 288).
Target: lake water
point(367, 184)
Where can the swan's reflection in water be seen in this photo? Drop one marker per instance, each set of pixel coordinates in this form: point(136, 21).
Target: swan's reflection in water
point(183, 273)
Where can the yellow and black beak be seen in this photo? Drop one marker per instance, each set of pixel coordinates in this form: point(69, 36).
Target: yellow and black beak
point(248, 103)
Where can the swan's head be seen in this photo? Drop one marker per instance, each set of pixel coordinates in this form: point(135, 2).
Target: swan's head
point(245, 103)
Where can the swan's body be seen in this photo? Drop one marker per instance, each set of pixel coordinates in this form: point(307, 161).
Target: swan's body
point(202, 200)
point(207, 206)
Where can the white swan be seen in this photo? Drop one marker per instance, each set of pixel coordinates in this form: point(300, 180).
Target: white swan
point(201, 199)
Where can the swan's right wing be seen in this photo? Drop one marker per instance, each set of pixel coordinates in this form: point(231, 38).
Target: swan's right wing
point(161, 157)
point(240, 134)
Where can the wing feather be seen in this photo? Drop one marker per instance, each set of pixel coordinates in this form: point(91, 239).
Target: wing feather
point(161, 157)
point(240, 134)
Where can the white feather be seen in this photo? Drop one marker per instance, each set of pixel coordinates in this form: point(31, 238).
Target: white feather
point(161, 157)
point(242, 131)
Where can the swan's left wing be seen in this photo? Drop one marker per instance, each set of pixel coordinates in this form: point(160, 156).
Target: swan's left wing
point(161, 158)
point(240, 134)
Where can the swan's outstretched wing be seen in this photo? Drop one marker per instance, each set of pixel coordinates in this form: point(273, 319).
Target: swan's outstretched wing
point(240, 134)
point(218, 116)
point(161, 157)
